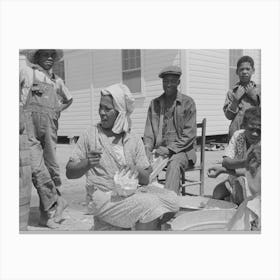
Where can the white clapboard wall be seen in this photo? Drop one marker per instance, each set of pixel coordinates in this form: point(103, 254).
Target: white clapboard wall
point(205, 78)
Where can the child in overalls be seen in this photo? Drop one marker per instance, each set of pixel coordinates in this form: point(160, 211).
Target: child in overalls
point(43, 96)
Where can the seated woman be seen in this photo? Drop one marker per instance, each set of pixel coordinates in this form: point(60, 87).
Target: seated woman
point(105, 149)
point(248, 214)
point(234, 160)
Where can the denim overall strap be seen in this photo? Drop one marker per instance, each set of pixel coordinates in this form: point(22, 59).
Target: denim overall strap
point(42, 97)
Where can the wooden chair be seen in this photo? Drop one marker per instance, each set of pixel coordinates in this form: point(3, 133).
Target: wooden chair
point(201, 167)
point(185, 182)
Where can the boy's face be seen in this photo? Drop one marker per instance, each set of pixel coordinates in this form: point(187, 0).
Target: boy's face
point(46, 59)
point(253, 132)
point(245, 72)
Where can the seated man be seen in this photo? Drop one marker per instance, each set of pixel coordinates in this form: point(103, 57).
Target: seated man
point(171, 127)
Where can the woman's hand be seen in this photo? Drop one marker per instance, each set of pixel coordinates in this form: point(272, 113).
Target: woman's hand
point(94, 158)
point(131, 170)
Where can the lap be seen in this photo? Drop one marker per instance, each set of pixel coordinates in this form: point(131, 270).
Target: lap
point(180, 159)
point(147, 204)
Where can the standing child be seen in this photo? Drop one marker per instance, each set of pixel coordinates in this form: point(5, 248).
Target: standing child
point(43, 96)
point(234, 160)
point(245, 94)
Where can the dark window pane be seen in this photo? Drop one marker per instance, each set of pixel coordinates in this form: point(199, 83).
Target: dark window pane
point(125, 64)
point(138, 62)
point(133, 58)
point(133, 80)
point(125, 54)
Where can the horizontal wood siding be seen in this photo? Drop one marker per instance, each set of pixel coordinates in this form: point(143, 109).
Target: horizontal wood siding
point(205, 74)
point(76, 118)
point(207, 83)
point(153, 62)
point(106, 71)
point(256, 55)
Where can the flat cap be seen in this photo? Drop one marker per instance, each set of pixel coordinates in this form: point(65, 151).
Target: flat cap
point(171, 70)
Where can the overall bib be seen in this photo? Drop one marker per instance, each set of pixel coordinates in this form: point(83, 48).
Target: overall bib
point(41, 118)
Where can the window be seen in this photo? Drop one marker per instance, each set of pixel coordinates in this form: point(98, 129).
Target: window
point(234, 55)
point(131, 69)
point(59, 69)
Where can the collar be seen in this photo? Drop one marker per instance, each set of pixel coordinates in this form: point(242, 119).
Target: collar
point(178, 99)
point(126, 135)
point(48, 73)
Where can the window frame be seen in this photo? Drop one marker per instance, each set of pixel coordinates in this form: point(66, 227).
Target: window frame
point(142, 81)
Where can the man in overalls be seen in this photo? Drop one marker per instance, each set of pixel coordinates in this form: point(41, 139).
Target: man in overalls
point(43, 96)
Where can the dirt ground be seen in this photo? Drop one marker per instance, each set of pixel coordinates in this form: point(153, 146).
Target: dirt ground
point(75, 217)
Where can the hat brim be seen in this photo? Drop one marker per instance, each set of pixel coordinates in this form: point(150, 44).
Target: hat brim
point(30, 55)
point(161, 75)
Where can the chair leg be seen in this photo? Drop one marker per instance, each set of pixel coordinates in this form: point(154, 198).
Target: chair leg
point(183, 182)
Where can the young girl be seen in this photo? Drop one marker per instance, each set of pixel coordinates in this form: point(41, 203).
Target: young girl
point(248, 215)
point(234, 160)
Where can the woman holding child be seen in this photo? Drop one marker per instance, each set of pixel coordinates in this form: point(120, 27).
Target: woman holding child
point(107, 148)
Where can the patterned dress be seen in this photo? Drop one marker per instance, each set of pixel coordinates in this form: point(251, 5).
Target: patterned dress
point(113, 212)
point(237, 149)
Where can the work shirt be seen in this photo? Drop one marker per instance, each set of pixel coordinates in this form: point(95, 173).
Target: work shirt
point(236, 114)
point(169, 133)
point(26, 82)
point(183, 117)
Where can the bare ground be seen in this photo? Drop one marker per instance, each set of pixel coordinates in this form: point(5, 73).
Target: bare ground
point(75, 217)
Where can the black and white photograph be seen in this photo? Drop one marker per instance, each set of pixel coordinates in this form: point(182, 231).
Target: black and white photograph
point(140, 140)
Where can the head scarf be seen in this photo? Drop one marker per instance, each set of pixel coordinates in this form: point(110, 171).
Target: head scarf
point(123, 103)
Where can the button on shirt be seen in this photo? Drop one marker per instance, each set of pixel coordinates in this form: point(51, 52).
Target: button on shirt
point(169, 133)
point(41, 75)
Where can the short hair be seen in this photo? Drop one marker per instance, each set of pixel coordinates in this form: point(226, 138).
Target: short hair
point(245, 58)
point(252, 114)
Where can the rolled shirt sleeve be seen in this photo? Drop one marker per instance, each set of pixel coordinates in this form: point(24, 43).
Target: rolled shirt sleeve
point(230, 110)
point(63, 91)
